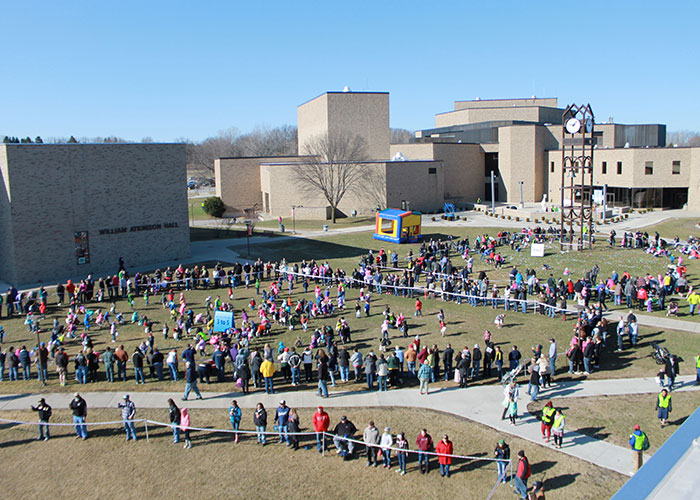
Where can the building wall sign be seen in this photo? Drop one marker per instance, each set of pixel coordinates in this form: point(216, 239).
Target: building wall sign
point(132, 229)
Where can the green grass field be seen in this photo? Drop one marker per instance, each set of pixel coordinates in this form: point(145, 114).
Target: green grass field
point(681, 227)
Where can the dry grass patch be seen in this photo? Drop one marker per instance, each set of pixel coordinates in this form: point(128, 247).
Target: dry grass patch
point(612, 418)
point(111, 468)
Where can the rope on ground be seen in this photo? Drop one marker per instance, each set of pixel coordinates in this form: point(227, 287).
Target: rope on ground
point(116, 422)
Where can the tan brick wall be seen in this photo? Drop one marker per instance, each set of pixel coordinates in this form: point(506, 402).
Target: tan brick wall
point(633, 168)
point(60, 189)
point(520, 160)
point(7, 251)
point(312, 121)
point(365, 114)
point(238, 181)
point(385, 185)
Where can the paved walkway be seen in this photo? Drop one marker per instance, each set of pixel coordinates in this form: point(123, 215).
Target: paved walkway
point(479, 403)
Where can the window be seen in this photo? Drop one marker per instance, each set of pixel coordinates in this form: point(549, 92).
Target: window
point(648, 168)
point(490, 164)
point(605, 167)
point(676, 167)
point(551, 167)
point(432, 170)
point(619, 168)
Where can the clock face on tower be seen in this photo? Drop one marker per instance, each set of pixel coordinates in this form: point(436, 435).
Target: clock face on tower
point(573, 125)
point(589, 125)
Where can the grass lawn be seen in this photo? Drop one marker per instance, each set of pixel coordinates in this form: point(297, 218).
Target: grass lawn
point(216, 464)
point(194, 208)
point(316, 225)
point(612, 418)
point(681, 227)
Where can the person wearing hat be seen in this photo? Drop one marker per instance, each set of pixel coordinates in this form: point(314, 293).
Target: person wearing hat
point(522, 474)
point(343, 431)
point(445, 449)
point(638, 442)
point(476, 362)
point(320, 421)
point(386, 442)
point(44, 415)
point(547, 420)
point(502, 452)
point(128, 412)
point(79, 408)
point(282, 421)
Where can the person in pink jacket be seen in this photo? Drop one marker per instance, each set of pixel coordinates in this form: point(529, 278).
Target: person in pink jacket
point(185, 426)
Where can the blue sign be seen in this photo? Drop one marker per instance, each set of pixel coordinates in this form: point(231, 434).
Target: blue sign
point(223, 321)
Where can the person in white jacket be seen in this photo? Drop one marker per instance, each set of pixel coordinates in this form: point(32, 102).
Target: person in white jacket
point(386, 442)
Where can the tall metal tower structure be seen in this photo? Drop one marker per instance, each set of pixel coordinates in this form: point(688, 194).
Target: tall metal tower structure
point(577, 177)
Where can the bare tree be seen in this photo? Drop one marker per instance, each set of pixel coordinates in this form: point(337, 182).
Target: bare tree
point(278, 141)
point(202, 155)
point(401, 136)
point(683, 138)
point(335, 167)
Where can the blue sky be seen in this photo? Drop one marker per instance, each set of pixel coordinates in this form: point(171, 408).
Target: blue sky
point(189, 69)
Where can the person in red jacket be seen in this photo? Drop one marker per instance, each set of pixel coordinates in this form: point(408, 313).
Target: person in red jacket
point(321, 421)
point(522, 474)
point(444, 450)
point(424, 443)
point(419, 308)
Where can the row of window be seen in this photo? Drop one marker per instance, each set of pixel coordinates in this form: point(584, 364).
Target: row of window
point(648, 167)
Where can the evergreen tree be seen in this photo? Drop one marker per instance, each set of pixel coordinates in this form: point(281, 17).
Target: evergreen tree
point(38, 140)
point(72, 140)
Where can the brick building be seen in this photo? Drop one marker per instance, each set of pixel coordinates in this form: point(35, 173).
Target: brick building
point(74, 209)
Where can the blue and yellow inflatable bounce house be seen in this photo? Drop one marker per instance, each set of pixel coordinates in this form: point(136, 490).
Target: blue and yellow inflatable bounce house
point(398, 226)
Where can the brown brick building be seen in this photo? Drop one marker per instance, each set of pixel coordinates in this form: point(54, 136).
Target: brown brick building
point(74, 209)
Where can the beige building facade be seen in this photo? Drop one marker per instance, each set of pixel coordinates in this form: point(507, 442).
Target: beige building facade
point(518, 140)
point(75, 209)
point(363, 114)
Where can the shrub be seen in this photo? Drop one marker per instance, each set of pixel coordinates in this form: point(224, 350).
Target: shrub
point(214, 206)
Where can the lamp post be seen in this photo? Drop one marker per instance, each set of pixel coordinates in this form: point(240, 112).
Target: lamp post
point(247, 226)
point(521, 195)
point(294, 220)
point(493, 196)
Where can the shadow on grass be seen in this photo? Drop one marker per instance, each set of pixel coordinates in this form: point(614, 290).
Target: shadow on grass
point(562, 481)
point(540, 467)
point(594, 432)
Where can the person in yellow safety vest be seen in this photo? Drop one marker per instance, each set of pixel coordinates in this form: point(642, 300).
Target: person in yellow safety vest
point(558, 429)
point(697, 368)
point(693, 300)
point(664, 407)
point(547, 420)
point(638, 442)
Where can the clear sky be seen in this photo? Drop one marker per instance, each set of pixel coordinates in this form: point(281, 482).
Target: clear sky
point(189, 69)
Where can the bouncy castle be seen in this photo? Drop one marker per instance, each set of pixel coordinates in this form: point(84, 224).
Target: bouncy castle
point(398, 226)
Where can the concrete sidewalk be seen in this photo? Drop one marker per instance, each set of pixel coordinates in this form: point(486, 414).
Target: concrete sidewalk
point(656, 321)
point(479, 403)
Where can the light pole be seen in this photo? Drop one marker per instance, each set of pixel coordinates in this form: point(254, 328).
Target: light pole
point(294, 220)
point(493, 196)
point(247, 226)
point(521, 195)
